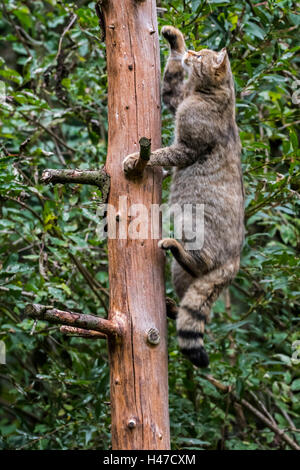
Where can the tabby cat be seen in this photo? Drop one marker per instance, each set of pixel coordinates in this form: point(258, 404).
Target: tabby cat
point(207, 170)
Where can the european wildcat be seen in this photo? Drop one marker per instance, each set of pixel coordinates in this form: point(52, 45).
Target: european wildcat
point(206, 157)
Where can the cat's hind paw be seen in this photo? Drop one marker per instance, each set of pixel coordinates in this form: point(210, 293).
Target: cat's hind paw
point(167, 243)
point(197, 356)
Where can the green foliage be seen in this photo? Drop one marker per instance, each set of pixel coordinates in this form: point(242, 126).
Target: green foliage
point(54, 390)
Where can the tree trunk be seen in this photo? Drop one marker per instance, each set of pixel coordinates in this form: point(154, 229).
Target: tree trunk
point(138, 369)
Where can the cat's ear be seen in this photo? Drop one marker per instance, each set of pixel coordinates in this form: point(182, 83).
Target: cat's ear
point(220, 60)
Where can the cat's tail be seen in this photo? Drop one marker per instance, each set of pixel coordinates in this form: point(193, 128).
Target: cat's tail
point(194, 311)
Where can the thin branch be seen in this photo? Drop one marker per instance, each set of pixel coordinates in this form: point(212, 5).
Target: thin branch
point(87, 322)
point(282, 411)
point(10, 314)
point(265, 202)
point(98, 8)
point(161, 11)
point(15, 410)
point(73, 331)
point(95, 177)
point(231, 335)
point(294, 123)
point(279, 432)
point(263, 407)
point(49, 434)
point(16, 28)
point(272, 425)
point(251, 7)
point(59, 154)
point(94, 285)
point(23, 292)
point(69, 26)
point(26, 207)
point(37, 123)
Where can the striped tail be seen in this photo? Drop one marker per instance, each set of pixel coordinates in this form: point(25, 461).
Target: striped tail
point(193, 314)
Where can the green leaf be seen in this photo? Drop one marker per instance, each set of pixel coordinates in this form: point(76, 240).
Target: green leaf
point(296, 385)
point(254, 30)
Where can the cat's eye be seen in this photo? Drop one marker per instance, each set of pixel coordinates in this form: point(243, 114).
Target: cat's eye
point(199, 57)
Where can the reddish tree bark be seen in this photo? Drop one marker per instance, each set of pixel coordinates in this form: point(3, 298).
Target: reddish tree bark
point(139, 375)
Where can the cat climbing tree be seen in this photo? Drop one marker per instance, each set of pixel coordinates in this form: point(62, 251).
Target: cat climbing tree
point(136, 327)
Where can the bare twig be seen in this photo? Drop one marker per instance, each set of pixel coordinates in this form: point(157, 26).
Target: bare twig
point(270, 424)
point(294, 123)
point(21, 203)
point(16, 28)
point(14, 410)
point(73, 331)
point(262, 406)
point(23, 292)
point(49, 434)
point(55, 137)
point(251, 7)
point(231, 334)
point(282, 410)
point(59, 154)
point(94, 177)
point(94, 285)
point(279, 432)
point(87, 322)
point(69, 26)
point(101, 19)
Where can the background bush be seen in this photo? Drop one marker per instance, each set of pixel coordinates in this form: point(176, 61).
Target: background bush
point(54, 390)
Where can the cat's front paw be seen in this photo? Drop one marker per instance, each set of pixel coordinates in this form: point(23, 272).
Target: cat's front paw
point(174, 37)
point(130, 162)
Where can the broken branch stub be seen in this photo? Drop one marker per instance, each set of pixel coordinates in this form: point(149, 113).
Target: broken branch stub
point(144, 157)
point(145, 149)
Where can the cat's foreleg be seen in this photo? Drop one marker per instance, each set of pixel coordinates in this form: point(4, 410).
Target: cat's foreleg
point(173, 79)
point(175, 155)
point(175, 39)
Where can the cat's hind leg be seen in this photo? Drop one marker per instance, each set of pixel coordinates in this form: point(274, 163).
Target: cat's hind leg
point(171, 308)
point(194, 310)
point(183, 257)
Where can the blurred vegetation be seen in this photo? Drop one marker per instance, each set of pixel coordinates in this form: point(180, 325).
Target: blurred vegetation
point(54, 390)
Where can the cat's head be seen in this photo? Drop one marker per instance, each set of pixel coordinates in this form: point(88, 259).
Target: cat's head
point(207, 69)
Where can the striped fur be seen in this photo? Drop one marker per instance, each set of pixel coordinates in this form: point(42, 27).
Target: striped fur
point(194, 311)
point(205, 157)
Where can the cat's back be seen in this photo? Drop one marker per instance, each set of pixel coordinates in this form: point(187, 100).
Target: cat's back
point(215, 182)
